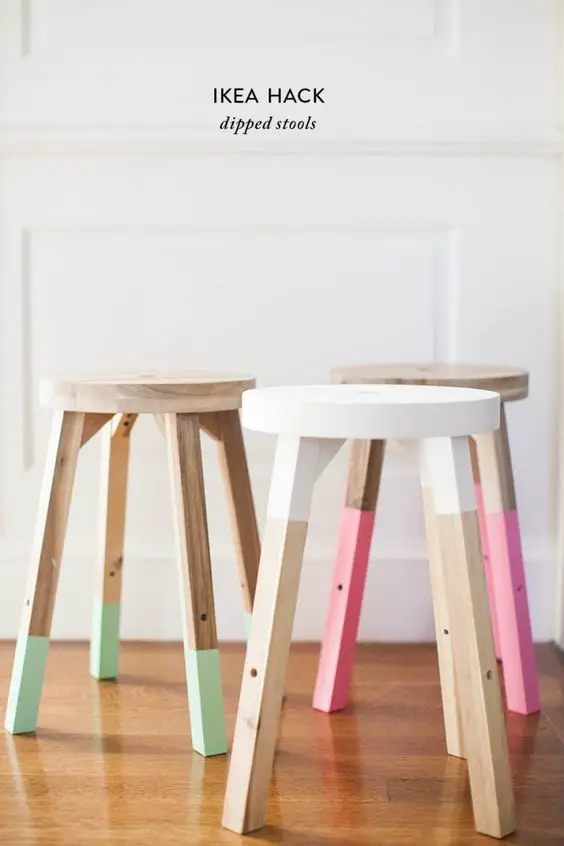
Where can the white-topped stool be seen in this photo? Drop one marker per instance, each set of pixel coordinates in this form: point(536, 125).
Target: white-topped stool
point(312, 423)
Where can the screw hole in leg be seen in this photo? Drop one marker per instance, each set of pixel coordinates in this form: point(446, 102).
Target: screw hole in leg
point(339, 587)
point(489, 674)
point(203, 617)
point(445, 631)
point(253, 673)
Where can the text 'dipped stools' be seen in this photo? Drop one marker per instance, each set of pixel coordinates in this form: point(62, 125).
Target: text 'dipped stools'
point(182, 406)
point(499, 530)
point(312, 423)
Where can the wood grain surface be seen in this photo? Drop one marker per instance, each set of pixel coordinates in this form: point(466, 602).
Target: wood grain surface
point(112, 763)
point(191, 530)
point(511, 382)
point(365, 472)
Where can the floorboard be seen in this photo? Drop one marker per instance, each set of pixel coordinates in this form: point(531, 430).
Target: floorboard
point(111, 762)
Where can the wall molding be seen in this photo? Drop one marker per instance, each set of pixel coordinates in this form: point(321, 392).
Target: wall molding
point(442, 32)
point(198, 140)
point(150, 598)
point(444, 289)
point(410, 550)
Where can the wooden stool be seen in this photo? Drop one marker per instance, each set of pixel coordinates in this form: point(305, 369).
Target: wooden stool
point(182, 406)
point(499, 529)
point(312, 424)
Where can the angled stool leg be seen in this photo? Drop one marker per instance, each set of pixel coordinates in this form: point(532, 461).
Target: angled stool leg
point(104, 645)
point(447, 469)
point(297, 465)
point(443, 627)
point(482, 523)
point(349, 576)
point(507, 571)
point(33, 638)
point(235, 471)
point(201, 653)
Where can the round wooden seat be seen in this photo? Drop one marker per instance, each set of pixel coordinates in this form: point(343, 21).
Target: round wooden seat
point(512, 383)
point(371, 411)
point(190, 392)
point(107, 407)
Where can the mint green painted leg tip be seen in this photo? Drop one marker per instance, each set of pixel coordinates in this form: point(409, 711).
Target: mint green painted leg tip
point(205, 701)
point(104, 646)
point(26, 684)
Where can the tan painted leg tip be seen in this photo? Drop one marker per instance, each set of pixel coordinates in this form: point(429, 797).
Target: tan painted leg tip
point(457, 754)
point(231, 825)
point(498, 825)
point(239, 827)
point(455, 745)
point(235, 829)
point(498, 833)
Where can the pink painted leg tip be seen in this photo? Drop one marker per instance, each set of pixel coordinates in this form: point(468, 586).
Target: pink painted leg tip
point(516, 639)
point(325, 702)
point(339, 641)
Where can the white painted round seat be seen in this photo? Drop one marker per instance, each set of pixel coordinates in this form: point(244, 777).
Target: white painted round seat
point(371, 411)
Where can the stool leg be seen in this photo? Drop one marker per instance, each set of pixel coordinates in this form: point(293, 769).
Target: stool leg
point(235, 471)
point(349, 576)
point(447, 470)
point(507, 571)
point(93, 422)
point(482, 523)
point(201, 653)
point(104, 645)
point(297, 465)
point(33, 638)
point(443, 629)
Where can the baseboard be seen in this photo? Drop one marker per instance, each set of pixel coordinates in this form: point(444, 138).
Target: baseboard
point(397, 604)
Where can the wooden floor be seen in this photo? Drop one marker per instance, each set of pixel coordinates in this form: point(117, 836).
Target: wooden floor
point(111, 762)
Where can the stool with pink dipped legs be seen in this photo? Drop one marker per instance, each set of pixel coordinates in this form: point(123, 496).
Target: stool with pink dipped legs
point(499, 530)
point(311, 424)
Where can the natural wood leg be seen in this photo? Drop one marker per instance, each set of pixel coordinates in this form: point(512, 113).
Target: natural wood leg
point(507, 571)
point(235, 471)
point(297, 465)
point(443, 629)
point(33, 638)
point(447, 472)
point(225, 428)
point(104, 646)
point(482, 523)
point(93, 422)
point(349, 576)
point(203, 673)
point(209, 422)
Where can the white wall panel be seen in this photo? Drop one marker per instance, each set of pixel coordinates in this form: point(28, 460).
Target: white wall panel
point(430, 234)
point(411, 69)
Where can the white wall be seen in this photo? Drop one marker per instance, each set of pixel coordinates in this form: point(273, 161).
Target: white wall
point(418, 221)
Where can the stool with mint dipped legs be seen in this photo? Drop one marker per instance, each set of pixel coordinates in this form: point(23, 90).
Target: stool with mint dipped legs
point(182, 406)
point(499, 530)
point(311, 424)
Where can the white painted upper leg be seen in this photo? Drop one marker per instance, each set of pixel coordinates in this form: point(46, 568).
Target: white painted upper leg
point(446, 469)
point(297, 464)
